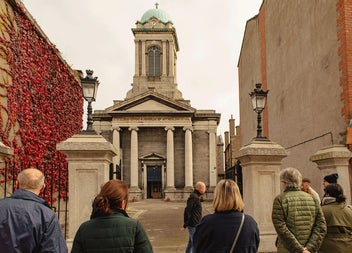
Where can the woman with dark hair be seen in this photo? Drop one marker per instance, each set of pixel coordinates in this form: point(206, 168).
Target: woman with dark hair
point(110, 229)
point(338, 218)
point(218, 232)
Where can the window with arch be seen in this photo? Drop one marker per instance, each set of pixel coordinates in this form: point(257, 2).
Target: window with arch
point(154, 61)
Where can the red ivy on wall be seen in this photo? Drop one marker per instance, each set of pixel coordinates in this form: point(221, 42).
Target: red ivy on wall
point(44, 101)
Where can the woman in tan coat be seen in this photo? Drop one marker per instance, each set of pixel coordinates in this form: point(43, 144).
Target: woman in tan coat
point(338, 218)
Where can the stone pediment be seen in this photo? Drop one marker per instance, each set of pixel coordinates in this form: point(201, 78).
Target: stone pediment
point(152, 156)
point(150, 102)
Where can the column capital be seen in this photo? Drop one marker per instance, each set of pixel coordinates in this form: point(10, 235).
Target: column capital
point(134, 128)
point(212, 131)
point(117, 128)
point(188, 128)
point(169, 128)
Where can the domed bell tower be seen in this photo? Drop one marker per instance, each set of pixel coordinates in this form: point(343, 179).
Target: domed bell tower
point(156, 46)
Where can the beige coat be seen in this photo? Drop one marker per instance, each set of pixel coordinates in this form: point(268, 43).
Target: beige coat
point(339, 222)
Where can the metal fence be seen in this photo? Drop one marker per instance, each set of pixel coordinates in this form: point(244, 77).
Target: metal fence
point(235, 173)
point(55, 192)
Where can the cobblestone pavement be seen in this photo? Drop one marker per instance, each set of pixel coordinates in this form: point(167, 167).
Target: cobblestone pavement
point(162, 222)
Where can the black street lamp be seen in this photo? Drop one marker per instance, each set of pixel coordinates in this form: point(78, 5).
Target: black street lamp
point(89, 88)
point(258, 97)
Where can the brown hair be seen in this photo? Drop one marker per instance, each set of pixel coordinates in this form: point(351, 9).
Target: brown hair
point(227, 196)
point(110, 198)
point(306, 180)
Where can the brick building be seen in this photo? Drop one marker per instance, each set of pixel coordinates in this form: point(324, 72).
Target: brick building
point(301, 51)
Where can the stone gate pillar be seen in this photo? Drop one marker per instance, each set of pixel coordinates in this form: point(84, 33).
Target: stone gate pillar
point(89, 157)
point(261, 161)
point(5, 151)
point(335, 159)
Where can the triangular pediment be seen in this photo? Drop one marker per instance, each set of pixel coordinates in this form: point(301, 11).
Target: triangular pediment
point(150, 102)
point(152, 156)
point(151, 105)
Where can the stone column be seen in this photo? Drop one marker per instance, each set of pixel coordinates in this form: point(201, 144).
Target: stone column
point(188, 158)
point(143, 59)
point(171, 60)
point(144, 179)
point(261, 161)
point(212, 160)
point(164, 58)
point(136, 58)
point(89, 157)
point(116, 144)
point(170, 163)
point(335, 159)
point(134, 159)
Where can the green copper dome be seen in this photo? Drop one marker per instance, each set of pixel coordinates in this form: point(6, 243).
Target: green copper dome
point(157, 13)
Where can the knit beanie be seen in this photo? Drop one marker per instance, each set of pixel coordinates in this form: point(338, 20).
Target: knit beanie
point(332, 178)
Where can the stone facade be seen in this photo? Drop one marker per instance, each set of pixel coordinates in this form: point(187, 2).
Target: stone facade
point(164, 145)
point(300, 52)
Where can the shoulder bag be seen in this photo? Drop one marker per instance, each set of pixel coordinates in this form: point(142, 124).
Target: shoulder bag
point(238, 234)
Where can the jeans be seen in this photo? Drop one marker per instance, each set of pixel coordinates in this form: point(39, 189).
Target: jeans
point(191, 231)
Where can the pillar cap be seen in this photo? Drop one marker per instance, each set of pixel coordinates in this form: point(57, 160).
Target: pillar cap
point(261, 148)
point(329, 152)
point(5, 150)
point(82, 142)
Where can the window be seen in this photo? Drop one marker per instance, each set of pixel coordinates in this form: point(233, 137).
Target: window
point(154, 61)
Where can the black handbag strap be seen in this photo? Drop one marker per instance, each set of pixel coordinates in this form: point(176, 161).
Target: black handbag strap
point(238, 234)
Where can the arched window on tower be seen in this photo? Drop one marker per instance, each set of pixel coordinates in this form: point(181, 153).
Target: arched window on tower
point(154, 62)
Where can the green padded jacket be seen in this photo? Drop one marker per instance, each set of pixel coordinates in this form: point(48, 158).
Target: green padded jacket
point(299, 221)
point(111, 234)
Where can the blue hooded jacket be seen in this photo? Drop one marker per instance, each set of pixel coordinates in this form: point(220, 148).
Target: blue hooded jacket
point(28, 225)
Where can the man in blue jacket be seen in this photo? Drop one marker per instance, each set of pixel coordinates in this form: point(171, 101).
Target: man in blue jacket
point(27, 224)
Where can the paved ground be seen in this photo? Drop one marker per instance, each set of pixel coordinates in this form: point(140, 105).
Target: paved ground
point(162, 222)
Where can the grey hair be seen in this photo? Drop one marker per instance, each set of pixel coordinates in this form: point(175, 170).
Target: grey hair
point(291, 177)
point(30, 179)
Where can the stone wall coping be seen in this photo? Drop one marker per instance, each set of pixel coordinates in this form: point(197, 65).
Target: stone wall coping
point(329, 152)
point(5, 150)
point(86, 143)
point(261, 148)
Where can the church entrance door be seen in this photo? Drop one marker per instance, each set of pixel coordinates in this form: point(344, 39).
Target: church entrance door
point(154, 182)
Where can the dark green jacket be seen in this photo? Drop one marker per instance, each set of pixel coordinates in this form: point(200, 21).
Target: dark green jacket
point(298, 221)
point(113, 233)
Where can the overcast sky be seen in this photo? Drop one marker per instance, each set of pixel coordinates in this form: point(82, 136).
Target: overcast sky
point(97, 35)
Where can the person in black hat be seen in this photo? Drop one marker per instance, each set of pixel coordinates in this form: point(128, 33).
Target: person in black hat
point(330, 179)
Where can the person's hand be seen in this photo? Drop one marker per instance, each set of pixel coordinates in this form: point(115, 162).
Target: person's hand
point(183, 229)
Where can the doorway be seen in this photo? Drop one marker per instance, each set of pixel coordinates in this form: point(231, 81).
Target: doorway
point(154, 182)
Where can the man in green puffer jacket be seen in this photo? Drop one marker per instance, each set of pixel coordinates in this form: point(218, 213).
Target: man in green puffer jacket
point(297, 216)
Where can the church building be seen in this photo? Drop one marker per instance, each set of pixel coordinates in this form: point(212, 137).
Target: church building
point(164, 144)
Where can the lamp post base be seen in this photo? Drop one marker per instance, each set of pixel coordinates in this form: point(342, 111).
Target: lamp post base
point(89, 132)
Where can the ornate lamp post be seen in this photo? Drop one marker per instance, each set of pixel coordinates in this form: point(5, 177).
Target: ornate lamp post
point(89, 88)
point(258, 97)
